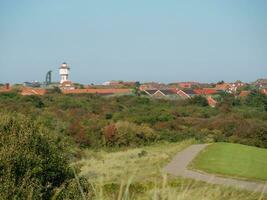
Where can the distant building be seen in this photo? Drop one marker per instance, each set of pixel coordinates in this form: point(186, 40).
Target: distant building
point(103, 91)
point(206, 91)
point(32, 84)
point(25, 91)
point(65, 83)
point(260, 83)
point(64, 72)
point(212, 102)
point(223, 86)
point(117, 84)
point(5, 88)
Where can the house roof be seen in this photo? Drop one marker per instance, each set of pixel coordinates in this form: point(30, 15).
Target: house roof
point(182, 94)
point(150, 92)
point(167, 92)
point(223, 86)
point(188, 91)
point(33, 91)
point(98, 91)
point(211, 101)
point(206, 91)
point(264, 91)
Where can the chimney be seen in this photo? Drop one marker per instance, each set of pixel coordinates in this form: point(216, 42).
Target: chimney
point(7, 86)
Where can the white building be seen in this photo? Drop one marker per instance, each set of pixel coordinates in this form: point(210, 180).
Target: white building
point(64, 72)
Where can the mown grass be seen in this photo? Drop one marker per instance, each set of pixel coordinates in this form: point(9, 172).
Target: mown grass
point(233, 160)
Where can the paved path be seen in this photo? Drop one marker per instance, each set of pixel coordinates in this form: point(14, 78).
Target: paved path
point(179, 163)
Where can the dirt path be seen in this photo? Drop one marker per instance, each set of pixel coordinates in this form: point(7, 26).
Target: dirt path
point(177, 167)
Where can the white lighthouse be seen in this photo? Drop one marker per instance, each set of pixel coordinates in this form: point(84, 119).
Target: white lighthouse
point(64, 72)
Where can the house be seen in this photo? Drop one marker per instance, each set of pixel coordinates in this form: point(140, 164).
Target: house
point(206, 91)
point(212, 102)
point(32, 91)
point(185, 85)
point(104, 91)
point(260, 83)
point(162, 93)
point(5, 88)
point(185, 93)
point(189, 84)
point(32, 84)
point(264, 91)
point(152, 86)
point(150, 92)
point(223, 86)
point(189, 92)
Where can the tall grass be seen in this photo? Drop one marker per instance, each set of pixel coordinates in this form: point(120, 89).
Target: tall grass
point(172, 190)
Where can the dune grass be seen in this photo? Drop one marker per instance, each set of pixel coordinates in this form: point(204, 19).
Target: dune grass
point(233, 160)
point(175, 189)
point(142, 164)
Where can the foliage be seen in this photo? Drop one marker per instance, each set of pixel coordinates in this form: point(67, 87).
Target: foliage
point(198, 100)
point(32, 164)
point(257, 99)
point(125, 133)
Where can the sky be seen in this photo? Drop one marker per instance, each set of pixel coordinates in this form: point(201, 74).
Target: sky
point(143, 40)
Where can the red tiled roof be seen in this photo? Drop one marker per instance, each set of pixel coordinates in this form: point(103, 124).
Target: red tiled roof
point(185, 85)
point(33, 91)
point(264, 91)
point(223, 86)
point(211, 101)
point(206, 91)
point(98, 91)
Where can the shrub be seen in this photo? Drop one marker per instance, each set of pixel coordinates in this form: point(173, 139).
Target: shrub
point(257, 99)
point(125, 133)
point(32, 165)
point(199, 100)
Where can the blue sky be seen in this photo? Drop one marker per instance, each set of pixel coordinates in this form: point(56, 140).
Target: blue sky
point(145, 40)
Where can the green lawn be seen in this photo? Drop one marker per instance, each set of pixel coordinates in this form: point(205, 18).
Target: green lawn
point(233, 160)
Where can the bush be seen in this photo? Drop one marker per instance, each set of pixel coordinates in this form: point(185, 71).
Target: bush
point(198, 100)
point(32, 164)
point(125, 133)
point(257, 99)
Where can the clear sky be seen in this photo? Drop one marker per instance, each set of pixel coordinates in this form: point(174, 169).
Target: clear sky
point(145, 40)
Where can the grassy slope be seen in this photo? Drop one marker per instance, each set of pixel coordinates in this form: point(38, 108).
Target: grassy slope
point(233, 160)
point(115, 166)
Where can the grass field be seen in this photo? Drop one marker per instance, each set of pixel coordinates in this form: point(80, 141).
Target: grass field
point(233, 160)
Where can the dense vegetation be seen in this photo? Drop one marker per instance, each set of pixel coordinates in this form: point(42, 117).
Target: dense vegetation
point(40, 134)
point(95, 121)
